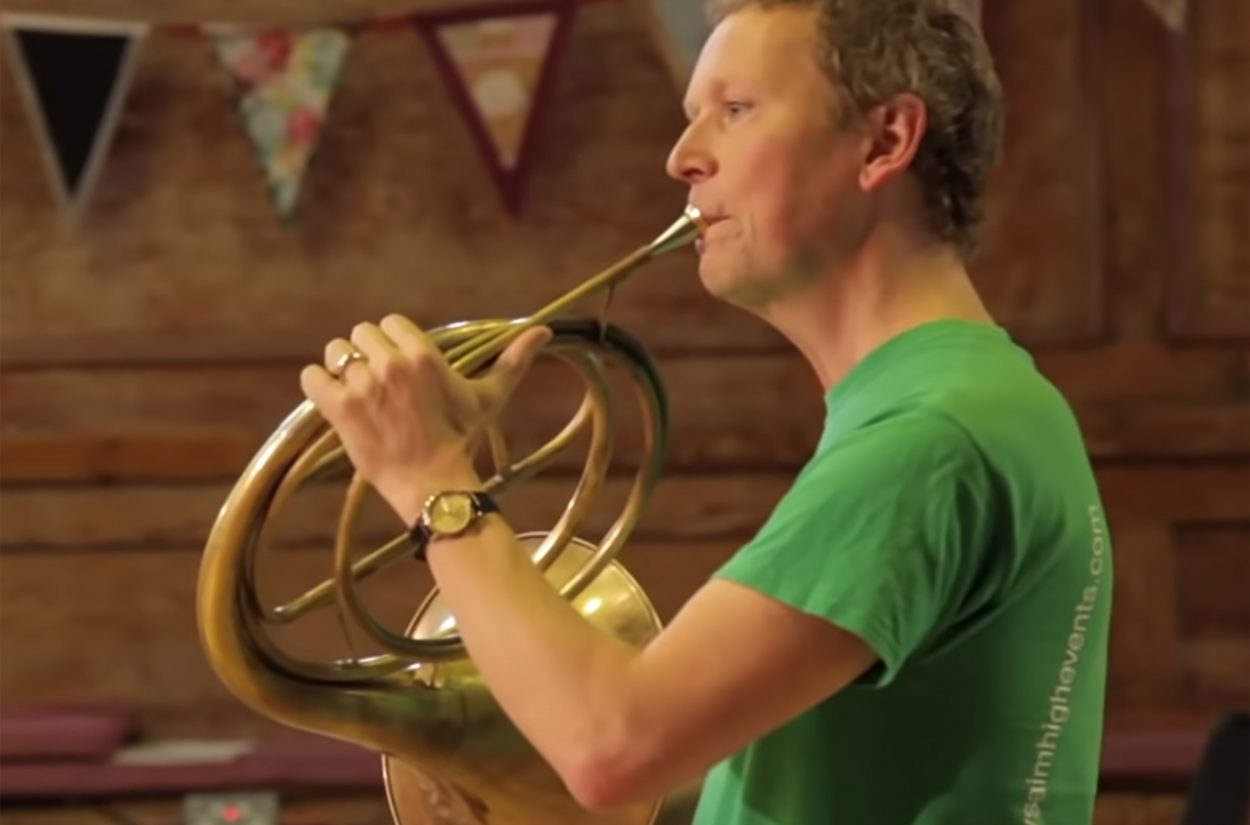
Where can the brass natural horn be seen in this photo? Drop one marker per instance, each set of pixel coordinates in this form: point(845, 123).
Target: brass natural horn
point(449, 753)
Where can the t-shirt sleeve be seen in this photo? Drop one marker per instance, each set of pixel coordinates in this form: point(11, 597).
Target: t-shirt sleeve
point(884, 533)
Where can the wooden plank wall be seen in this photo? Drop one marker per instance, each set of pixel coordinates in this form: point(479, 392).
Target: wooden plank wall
point(148, 352)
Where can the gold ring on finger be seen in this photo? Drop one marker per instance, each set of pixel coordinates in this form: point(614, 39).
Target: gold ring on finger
point(345, 360)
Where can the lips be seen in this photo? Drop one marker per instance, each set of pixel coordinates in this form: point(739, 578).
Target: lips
point(710, 219)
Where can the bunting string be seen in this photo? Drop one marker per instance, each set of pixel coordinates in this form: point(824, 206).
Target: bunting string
point(496, 61)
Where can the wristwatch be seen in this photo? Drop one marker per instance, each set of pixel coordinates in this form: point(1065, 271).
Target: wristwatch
point(448, 514)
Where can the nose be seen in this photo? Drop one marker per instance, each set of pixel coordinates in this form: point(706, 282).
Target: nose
point(690, 159)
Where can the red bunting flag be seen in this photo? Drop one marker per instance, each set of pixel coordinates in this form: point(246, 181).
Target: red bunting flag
point(498, 65)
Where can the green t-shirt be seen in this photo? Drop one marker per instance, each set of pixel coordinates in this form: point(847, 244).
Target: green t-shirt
point(950, 518)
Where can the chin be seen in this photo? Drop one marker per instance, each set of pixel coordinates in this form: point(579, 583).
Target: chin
point(717, 278)
point(734, 283)
point(731, 288)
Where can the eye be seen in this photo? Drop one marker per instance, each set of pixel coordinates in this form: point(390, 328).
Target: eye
point(736, 108)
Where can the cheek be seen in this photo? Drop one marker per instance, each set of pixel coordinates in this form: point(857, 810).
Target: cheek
point(773, 188)
point(812, 195)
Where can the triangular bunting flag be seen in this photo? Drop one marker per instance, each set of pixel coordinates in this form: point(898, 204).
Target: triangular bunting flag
point(285, 79)
point(498, 65)
point(74, 75)
point(1171, 12)
point(678, 30)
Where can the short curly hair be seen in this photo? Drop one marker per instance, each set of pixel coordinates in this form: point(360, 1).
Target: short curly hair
point(872, 50)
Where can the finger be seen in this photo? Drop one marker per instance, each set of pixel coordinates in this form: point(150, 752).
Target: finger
point(321, 389)
point(514, 361)
point(335, 351)
point(419, 349)
point(408, 338)
point(374, 344)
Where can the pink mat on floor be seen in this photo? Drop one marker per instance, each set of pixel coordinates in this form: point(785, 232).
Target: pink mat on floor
point(91, 751)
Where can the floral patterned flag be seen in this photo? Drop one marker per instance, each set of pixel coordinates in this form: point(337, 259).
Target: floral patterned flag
point(286, 79)
point(497, 65)
point(73, 75)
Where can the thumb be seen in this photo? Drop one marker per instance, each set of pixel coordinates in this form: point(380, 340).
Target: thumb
point(513, 363)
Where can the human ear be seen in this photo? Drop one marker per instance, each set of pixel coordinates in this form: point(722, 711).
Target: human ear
point(896, 128)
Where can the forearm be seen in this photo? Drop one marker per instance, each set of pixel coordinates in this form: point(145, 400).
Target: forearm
point(561, 680)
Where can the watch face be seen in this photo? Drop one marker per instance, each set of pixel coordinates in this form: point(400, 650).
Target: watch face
point(451, 513)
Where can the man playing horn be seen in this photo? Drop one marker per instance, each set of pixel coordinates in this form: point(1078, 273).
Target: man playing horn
point(919, 630)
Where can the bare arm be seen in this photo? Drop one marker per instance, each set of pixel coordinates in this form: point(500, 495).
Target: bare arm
point(619, 724)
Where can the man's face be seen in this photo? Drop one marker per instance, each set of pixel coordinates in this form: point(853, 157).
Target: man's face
point(766, 162)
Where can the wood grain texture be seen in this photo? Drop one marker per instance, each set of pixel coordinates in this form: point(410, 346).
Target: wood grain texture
point(1041, 268)
point(1208, 174)
point(690, 506)
point(124, 622)
point(1207, 555)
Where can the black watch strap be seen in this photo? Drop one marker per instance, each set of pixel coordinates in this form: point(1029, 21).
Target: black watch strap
point(420, 534)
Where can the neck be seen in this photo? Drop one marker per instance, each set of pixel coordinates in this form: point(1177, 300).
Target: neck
point(891, 284)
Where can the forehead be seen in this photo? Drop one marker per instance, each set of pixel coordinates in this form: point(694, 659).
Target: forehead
point(756, 45)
